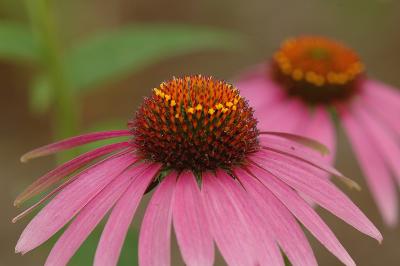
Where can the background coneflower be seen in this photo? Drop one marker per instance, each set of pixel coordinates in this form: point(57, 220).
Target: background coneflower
point(310, 76)
point(215, 176)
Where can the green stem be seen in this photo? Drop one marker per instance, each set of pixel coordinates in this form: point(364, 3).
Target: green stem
point(65, 117)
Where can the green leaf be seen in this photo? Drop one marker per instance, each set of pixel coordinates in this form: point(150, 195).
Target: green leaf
point(112, 54)
point(41, 95)
point(16, 42)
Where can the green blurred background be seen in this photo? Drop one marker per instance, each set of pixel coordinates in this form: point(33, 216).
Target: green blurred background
point(77, 66)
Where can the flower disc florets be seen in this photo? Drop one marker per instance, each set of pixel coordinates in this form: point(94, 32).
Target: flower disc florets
point(195, 123)
point(317, 69)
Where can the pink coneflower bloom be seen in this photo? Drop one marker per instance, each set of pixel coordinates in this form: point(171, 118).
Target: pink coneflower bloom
point(311, 77)
point(216, 179)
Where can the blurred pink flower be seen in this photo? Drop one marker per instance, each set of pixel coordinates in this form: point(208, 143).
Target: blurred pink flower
point(216, 179)
point(311, 77)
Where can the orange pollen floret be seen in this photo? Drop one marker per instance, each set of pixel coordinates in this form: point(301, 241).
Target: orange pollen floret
point(195, 123)
point(318, 61)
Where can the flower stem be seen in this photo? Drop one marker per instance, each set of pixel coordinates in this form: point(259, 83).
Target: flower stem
point(65, 117)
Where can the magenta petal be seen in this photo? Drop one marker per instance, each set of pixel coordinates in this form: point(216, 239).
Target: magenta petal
point(236, 229)
point(70, 201)
point(67, 168)
point(258, 88)
point(384, 115)
point(155, 233)
point(321, 128)
point(385, 142)
point(73, 142)
point(294, 152)
point(285, 228)
point(282, 116)
point(320, 190)
point(372, 164)
point(190, 223)
point(89, 217)
point(382, 94)
point(114, 232)
point(305, 214)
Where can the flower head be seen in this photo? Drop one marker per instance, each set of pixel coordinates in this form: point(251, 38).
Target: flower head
point(216, 178)
point(317, 70)
point(195, 123)
point(308, 77)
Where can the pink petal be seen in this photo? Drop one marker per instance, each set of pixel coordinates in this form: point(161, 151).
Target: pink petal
point(388, 115)
point(90, 216)
point(319, 190)
point(155, 233)
point(236, 230)
point(372, 164)
point(70, 201)
point(282, 116)
point(190, 223)
point(292, 151)
point(304, 213)
point(114, 232)
point(65, 169)
point(387, 143)
point(382, 93)
point(301, 141)
point(321, 128)
point(73, 142)
point(258, 88)
point(281, 222)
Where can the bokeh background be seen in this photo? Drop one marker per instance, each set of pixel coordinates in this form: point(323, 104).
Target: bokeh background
point(75, 66)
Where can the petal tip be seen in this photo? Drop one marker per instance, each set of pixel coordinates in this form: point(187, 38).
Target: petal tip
point(24, 158)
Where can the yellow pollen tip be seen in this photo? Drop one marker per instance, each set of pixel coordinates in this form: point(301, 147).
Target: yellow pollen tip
point(229, 104)
point(234, 108)
point(224, 110)
point(167, 97)
point(199, 107)
point(173, 103)
point(297, 74)
point(190, 110)
point(177, 116)
point(219, 106)
point(211, 111)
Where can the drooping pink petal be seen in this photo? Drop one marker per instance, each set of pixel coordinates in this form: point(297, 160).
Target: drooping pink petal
point(373, 166)
point(301, 140)
point(65, 169)
point(155, 232)
point(258, 88)
point(321, 128)
point(297, 153)
point(284, 227)
point(117, 226)
point(320, 190)
point(382, 94)
point(190, 223)
point(73, 142)
point(70, 201)
point(385, 111)
point(233, 229)
point(386, 142)
point(304, 213)
point(282, 116)
point(266, 249)
point(90, 216)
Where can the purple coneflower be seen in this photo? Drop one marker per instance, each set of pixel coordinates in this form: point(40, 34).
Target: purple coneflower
point(215, 176)
point(308, 78)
